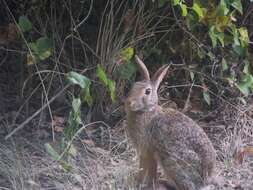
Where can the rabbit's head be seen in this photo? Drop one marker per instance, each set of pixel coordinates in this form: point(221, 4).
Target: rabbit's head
point(143, 95)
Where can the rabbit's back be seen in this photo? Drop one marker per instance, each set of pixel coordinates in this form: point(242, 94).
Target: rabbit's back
point(183, 148)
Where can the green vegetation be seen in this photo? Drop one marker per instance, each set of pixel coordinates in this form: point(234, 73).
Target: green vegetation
point(210, 38)
point(75, 60)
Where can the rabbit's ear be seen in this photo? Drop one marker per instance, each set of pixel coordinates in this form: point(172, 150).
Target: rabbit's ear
point(142, 68)
point(159, 75)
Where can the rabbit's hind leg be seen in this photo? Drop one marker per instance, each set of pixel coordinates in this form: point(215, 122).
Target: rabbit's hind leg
point(181, 178)
point(182, 166)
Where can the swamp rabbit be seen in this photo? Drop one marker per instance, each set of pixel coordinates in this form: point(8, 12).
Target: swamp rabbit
point(167, 137)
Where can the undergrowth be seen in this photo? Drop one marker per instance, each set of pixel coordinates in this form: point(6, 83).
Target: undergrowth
point(73, 59)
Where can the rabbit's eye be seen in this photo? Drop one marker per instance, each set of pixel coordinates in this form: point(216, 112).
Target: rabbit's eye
point(148, 91)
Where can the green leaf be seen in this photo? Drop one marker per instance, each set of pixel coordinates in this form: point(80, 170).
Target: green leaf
point(228, 40)
point(126, 71)
point(72, 150)
point(243, 88)
point(224, 64)
point(127, 54)
point(244, 37)
point(222, 9)
point(246, 68)
point(246, 83)
point(192, 20)
point(76, 104)
point(108, 83)
point(211, 55)
point(24, 24)
point(63, 143)
point(183, 9)
point(102, 75)
point(207, 98)
point(83, 82)
point(74, 119)
point(112, 89)
point(237, 4)
point(222, 22)
point(76, 111)
point(51, 151)
point(66, 166)
point(201, 53)
point(76, 78)
point(33, 47)
point(87, 96)
point(220, 37)
point(175, 2)
point(198, 10)
point(213, 36)
point(241, 51)
point(235, 35)
point(44, 47)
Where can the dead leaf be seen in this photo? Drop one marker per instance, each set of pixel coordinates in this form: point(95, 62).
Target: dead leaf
point(241, 154)
point(9, 34)
point(58, 129)
point(30, 60)
point(58, 123)
point(3, 36)
point(13, 33)
point(89, 142)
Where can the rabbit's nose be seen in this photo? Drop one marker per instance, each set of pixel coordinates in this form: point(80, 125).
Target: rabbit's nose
point(130, 103)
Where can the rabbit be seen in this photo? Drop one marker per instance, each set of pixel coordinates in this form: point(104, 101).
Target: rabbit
point(166, 137)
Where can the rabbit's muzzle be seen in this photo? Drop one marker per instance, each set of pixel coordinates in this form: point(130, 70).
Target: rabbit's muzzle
point(133, 105)
point(139, 105)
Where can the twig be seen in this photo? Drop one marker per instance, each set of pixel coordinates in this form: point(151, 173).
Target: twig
point(4, 59)
point(87, 16)
point(186, 105)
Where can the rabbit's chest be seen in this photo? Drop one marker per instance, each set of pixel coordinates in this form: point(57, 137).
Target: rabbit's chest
point(136, 130)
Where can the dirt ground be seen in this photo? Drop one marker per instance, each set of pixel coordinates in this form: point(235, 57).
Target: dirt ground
point(105, 160)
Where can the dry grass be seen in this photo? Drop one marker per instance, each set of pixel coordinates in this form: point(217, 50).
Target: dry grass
point(25, 165)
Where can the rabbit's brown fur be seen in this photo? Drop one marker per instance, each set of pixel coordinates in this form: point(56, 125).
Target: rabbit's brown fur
point(166, 136)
